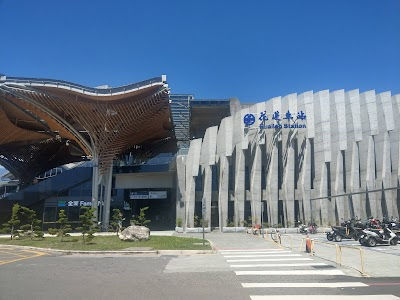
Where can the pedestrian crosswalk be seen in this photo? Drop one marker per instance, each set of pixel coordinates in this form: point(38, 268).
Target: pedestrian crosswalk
point(268, 272)
point(324, 297)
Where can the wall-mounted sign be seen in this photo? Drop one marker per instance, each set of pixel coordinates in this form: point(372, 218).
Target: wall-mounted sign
point(275, 120)
point(139, 195)
point(157, 194)
point(148, 195)
point(79, 203)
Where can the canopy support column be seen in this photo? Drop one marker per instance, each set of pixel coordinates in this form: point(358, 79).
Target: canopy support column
point(107, 198)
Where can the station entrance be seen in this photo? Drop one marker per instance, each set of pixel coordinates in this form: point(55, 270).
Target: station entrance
point(160, 203)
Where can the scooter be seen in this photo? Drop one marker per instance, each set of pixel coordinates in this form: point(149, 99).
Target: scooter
point(346, 231)
point(303, 229)
point(383, 236)
point(310, 229)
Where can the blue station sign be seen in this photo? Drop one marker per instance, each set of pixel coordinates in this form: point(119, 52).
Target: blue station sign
point(274, 120)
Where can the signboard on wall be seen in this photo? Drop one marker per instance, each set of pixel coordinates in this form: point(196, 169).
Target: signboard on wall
point(139, 195)
point(157, 194)
point(148, 195)
point(64, 203)
point(273, 120)
point(79, 203)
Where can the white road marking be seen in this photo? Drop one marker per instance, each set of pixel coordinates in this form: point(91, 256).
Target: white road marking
point(323, 297)
point(258, 252)
point(269, 259)
point(304, 284)
point(279, 265)
point(291, 272)
point(241, 250)
point(261, 255)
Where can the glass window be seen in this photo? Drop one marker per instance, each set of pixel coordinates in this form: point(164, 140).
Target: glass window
point(75, 192)
point(63, 194)
point(199, 180)
point(247, 177)
point(49, 214)
point(73, 213)
point(215, 178)
point(87, 185)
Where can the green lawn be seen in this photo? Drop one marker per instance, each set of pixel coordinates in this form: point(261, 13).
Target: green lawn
point(109, 243)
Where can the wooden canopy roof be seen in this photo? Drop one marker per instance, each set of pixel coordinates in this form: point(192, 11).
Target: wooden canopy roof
point(46, 123)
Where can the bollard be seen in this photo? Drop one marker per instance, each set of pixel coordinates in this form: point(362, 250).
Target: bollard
point(308, 244)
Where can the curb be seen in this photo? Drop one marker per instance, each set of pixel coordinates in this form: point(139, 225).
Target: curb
point(123, 252)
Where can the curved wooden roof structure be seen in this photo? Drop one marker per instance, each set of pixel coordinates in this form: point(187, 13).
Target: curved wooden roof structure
point(46, 123)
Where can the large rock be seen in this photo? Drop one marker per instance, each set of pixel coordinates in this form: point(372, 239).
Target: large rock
point(134, 233)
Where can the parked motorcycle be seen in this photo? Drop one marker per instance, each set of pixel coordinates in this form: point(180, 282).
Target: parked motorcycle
point(311, 228)
point(346, 231)
point(303, 229)
point(384, 236)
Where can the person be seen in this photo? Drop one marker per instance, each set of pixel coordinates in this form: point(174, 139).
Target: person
point(256, 228)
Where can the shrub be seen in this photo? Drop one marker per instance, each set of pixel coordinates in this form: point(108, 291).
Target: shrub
point(206, 222)
point(117, 218)
point(12, 225)
point(64, 226)
point(196, 221)
point(229, 223)
point(31, 228)
point(88, 226)
point(141, 219)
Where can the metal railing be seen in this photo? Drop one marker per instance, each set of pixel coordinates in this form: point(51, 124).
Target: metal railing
point(338, 251)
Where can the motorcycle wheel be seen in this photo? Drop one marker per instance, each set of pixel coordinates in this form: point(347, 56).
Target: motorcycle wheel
point(361, 241)
point(329, 237)
point(338, 238)
point(372, 242)
point(394, 242)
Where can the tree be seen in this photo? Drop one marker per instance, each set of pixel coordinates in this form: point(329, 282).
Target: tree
point(117, 219)
point(12, 225)
point(31, 228)
point(88, 225)
point(141, 219)
point(64, 229)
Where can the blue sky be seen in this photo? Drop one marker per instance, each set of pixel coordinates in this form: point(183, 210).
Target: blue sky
point(252, 50)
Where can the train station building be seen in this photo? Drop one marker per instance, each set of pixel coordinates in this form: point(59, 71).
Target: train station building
point(315, 156)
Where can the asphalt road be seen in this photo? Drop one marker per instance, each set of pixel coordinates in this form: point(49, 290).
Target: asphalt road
point(112, 277)
point(245, 267)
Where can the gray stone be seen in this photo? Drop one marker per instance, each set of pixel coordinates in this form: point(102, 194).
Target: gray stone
point(134, 233)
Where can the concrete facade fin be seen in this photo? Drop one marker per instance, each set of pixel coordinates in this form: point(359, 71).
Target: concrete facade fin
point(386, 100)
point(209, 146)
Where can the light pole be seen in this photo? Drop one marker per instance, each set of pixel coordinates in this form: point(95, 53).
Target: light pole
point(262, 221)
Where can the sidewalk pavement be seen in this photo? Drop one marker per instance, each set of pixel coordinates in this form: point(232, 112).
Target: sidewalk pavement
point(233, 240)
point(381, 261)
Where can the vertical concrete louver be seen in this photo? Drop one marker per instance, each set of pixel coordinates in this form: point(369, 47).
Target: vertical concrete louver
point(343, 163)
